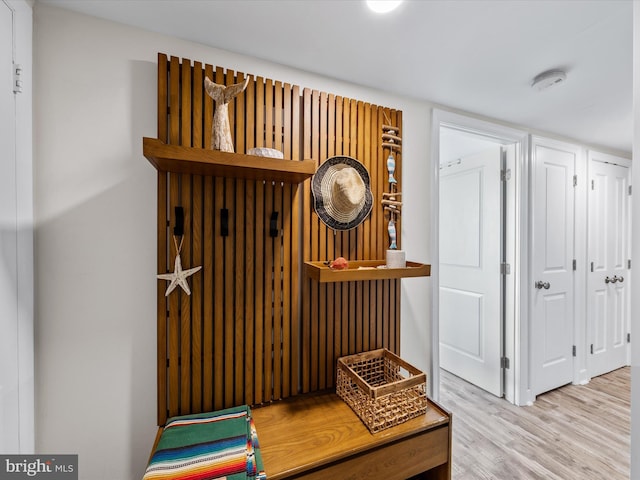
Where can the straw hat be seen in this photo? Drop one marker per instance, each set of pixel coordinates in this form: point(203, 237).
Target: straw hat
point(341, 191)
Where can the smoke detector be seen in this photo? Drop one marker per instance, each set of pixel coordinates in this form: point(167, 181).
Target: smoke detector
point(548, 79)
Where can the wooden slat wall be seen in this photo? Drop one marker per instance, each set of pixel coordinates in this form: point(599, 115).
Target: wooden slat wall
point(344, 318)
point(253, 331)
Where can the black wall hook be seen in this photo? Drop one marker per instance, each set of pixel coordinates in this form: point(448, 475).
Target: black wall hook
point(273, 225)
point(224, 222)
point(178, 227)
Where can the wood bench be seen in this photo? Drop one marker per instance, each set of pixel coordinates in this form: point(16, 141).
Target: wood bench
point(320, 437)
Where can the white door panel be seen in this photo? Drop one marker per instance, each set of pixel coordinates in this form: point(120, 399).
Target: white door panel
point(552, 265)
point(608, 280)
point(555, 310)
point(463, 311)
point(461, 217)
point(619, 302)
point(600, 308)
point(470, 280)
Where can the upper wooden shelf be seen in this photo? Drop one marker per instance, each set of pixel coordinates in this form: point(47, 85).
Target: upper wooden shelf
point(179, 159)
point(364, 270)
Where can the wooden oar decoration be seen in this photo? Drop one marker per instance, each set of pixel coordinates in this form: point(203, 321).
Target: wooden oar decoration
point(391, 138)
point(391, 204)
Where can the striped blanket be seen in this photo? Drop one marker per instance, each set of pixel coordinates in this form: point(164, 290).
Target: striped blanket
point(208, 446)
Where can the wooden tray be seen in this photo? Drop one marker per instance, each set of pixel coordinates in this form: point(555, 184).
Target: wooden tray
point(364, 270)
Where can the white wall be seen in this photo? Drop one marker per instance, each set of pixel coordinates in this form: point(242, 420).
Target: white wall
point(95, 98)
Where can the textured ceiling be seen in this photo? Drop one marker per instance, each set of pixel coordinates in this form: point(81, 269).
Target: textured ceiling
point(476, 55)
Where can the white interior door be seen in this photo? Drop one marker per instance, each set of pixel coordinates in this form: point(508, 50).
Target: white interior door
point(470, 278)
point(552, 265)
point(608, 283)
point(9, 399)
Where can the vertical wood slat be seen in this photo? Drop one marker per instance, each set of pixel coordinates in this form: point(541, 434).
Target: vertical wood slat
point(174, 187)
point(240, 230)
point(213, 368)
point(249, 276)
point(307, 306)
point(296, 252)
point(331, 253)
point(381, 233)
point(208, 110)
point(397, 303)
point(174, 320)
point(288, 275)
point(220, 293)
point(197, 104)
point(229, 265)
point(277, 296)
point(185, 300)
point(277, 253)
point(366, 152)
point(163, 97)
point(259, 365)
point(203, 345)
point(353, 234)
point(359, 289)
point(346, 236)
point(322, 249)
point(316, 232)
point(268, 252)
point(218, 297)
point(375, 160)
point(338, 288)
point(229, 287)
point(162, 246)
point(208, 294)
point(197, 308)
point(185, 241)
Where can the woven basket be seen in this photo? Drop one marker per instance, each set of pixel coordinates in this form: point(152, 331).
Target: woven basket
point(381, 388)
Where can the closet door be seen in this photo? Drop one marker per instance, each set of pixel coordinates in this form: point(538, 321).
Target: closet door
point(608, 282)
point(552, 282)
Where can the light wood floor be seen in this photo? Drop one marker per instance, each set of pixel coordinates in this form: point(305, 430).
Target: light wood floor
point(574, 432)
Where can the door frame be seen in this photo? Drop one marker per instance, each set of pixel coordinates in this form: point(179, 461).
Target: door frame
point(22, 11)
point(597, 156)
point(516, 348)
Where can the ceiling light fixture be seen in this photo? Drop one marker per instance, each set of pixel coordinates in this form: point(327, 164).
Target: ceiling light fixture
point(383, 6)
point(548, 79)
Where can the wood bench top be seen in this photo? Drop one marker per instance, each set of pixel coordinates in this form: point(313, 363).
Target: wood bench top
point(306, 432)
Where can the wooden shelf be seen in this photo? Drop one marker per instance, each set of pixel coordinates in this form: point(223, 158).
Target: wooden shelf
point(179, 159)
point(364, 270)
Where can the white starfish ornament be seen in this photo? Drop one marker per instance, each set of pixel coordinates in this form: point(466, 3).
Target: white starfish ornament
point(178, 277)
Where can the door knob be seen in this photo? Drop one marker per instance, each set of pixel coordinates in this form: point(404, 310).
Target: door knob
point(608, 280)
point(540, 284)
point(618, 279)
